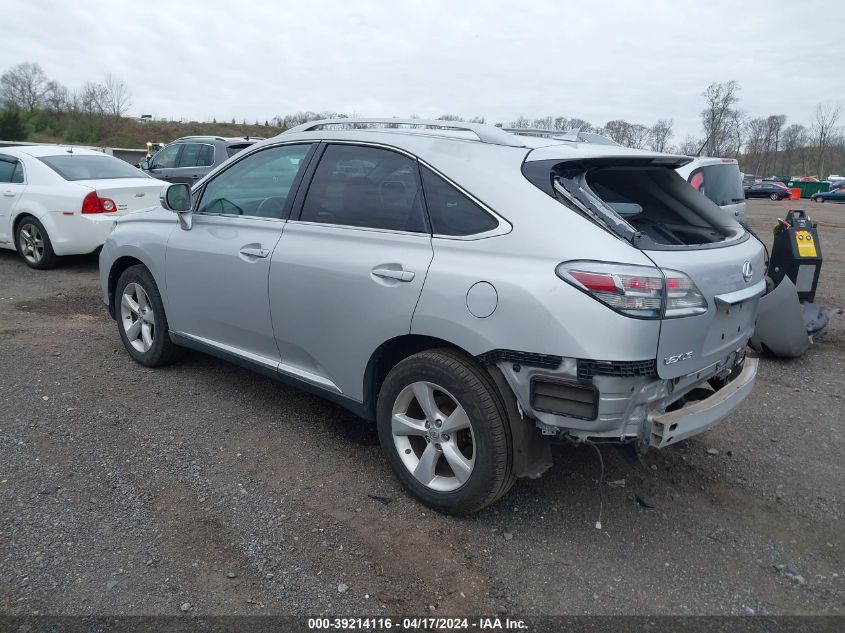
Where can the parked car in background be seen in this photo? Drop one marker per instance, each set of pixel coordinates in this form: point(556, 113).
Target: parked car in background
point(63, 200)
point(720, 180)
point(768, 189)
point(451, 290)
point(189, 158)
point(834, 195)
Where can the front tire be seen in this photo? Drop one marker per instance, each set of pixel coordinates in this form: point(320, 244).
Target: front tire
point(818, 199)
point(141, 319)
point(444, 431)
point(34, 245)
point(775, 196)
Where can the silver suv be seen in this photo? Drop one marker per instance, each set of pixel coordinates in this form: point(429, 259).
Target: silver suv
point(474, 292)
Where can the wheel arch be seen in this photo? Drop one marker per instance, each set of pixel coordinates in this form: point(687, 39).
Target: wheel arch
point(115, 271)
point(531, 450)
point(388, 355)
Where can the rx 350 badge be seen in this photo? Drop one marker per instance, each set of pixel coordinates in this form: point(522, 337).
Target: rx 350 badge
point(677, 358)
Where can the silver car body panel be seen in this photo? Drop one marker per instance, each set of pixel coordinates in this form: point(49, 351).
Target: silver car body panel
point(731, 311)
point(325, 297)
point(781, 328)
point(331, 308)
point(217, 292)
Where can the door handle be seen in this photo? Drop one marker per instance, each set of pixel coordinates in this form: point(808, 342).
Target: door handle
point(9, 194)
point(390, 273)
point(195, 177)
point(255, 252)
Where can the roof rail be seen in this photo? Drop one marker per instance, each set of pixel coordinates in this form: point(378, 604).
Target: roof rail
point(485, 133)
point(185, 138)
point(575, 135)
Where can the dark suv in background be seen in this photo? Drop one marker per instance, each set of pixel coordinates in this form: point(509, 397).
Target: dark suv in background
point(189, 158)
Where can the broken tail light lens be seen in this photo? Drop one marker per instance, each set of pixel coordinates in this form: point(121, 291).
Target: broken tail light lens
point(643, 292)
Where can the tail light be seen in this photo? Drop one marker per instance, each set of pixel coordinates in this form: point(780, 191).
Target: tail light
point(643, 292)
point(92, 203)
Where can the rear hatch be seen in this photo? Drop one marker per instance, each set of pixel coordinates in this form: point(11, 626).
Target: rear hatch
point(691, 343)
point(129, 194)
point(641, 199)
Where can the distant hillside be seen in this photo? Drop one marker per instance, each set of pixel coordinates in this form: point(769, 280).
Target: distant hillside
point(131, 133)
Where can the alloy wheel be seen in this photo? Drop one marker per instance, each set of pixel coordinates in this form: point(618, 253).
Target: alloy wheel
point(137, 317)
point(31, 243)
point(433, 436)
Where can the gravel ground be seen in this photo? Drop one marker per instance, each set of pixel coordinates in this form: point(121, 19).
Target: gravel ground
point(204, 488)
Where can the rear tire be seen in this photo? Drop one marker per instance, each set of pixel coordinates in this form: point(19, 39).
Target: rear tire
point(444, 432)
point(34, 245)
point(141, 321)
point(775, 196)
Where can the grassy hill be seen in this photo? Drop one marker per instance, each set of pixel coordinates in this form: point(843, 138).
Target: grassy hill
point(131, 133)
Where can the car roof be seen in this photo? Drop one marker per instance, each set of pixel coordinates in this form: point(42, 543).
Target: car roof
point(444, 138)
point(50, 150)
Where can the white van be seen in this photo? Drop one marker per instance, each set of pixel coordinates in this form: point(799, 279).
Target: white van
point(720, 180)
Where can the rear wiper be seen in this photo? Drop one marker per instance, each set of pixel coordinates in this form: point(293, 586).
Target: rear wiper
point(595, 209)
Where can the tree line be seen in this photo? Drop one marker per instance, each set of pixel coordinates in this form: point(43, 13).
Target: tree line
point(33, 106)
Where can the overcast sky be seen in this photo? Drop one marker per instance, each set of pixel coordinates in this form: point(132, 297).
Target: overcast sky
point(251, 59)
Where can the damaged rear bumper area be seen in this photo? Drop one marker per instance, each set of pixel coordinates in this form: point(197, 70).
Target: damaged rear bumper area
point(697, 417)
point(629, 403)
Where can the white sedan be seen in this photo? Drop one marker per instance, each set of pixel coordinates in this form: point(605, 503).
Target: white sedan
point(58, 200)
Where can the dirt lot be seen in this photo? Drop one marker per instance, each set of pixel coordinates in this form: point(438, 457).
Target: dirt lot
point(125, 490)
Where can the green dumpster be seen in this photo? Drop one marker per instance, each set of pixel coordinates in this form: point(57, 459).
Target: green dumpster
point(808, 189)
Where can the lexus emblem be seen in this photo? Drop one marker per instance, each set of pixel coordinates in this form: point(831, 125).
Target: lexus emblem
point(747, 271)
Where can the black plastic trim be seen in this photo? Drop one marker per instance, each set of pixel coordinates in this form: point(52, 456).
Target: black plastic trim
point(579, 386)
point(529, 359)
point(588, 368)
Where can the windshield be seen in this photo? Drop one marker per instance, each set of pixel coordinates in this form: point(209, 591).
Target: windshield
point(721, 183)
point(88, 167)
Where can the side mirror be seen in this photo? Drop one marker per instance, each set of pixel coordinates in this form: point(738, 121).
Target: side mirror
point(177, 198)
point(145, 164)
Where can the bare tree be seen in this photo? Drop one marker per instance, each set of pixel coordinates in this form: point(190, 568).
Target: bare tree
point(689, 146)
point(628, 134)
point(794, 137)
point(756, 145)
point(24, 86)
point(618, 130)
point(521, 123)
point(825, 118)
point(659, 135)
point(56, 97)
point(638, 136)
point(93, 98)
point(119, 98)
point(450, 117)
point(580, 124)
point(719, 118)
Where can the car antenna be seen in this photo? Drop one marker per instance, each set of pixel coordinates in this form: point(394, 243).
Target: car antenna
point(70, 150)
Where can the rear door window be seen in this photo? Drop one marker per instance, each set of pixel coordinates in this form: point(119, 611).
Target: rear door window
point(453, 213)
point(8, 168)
point(366, 187)
point(190, 154)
